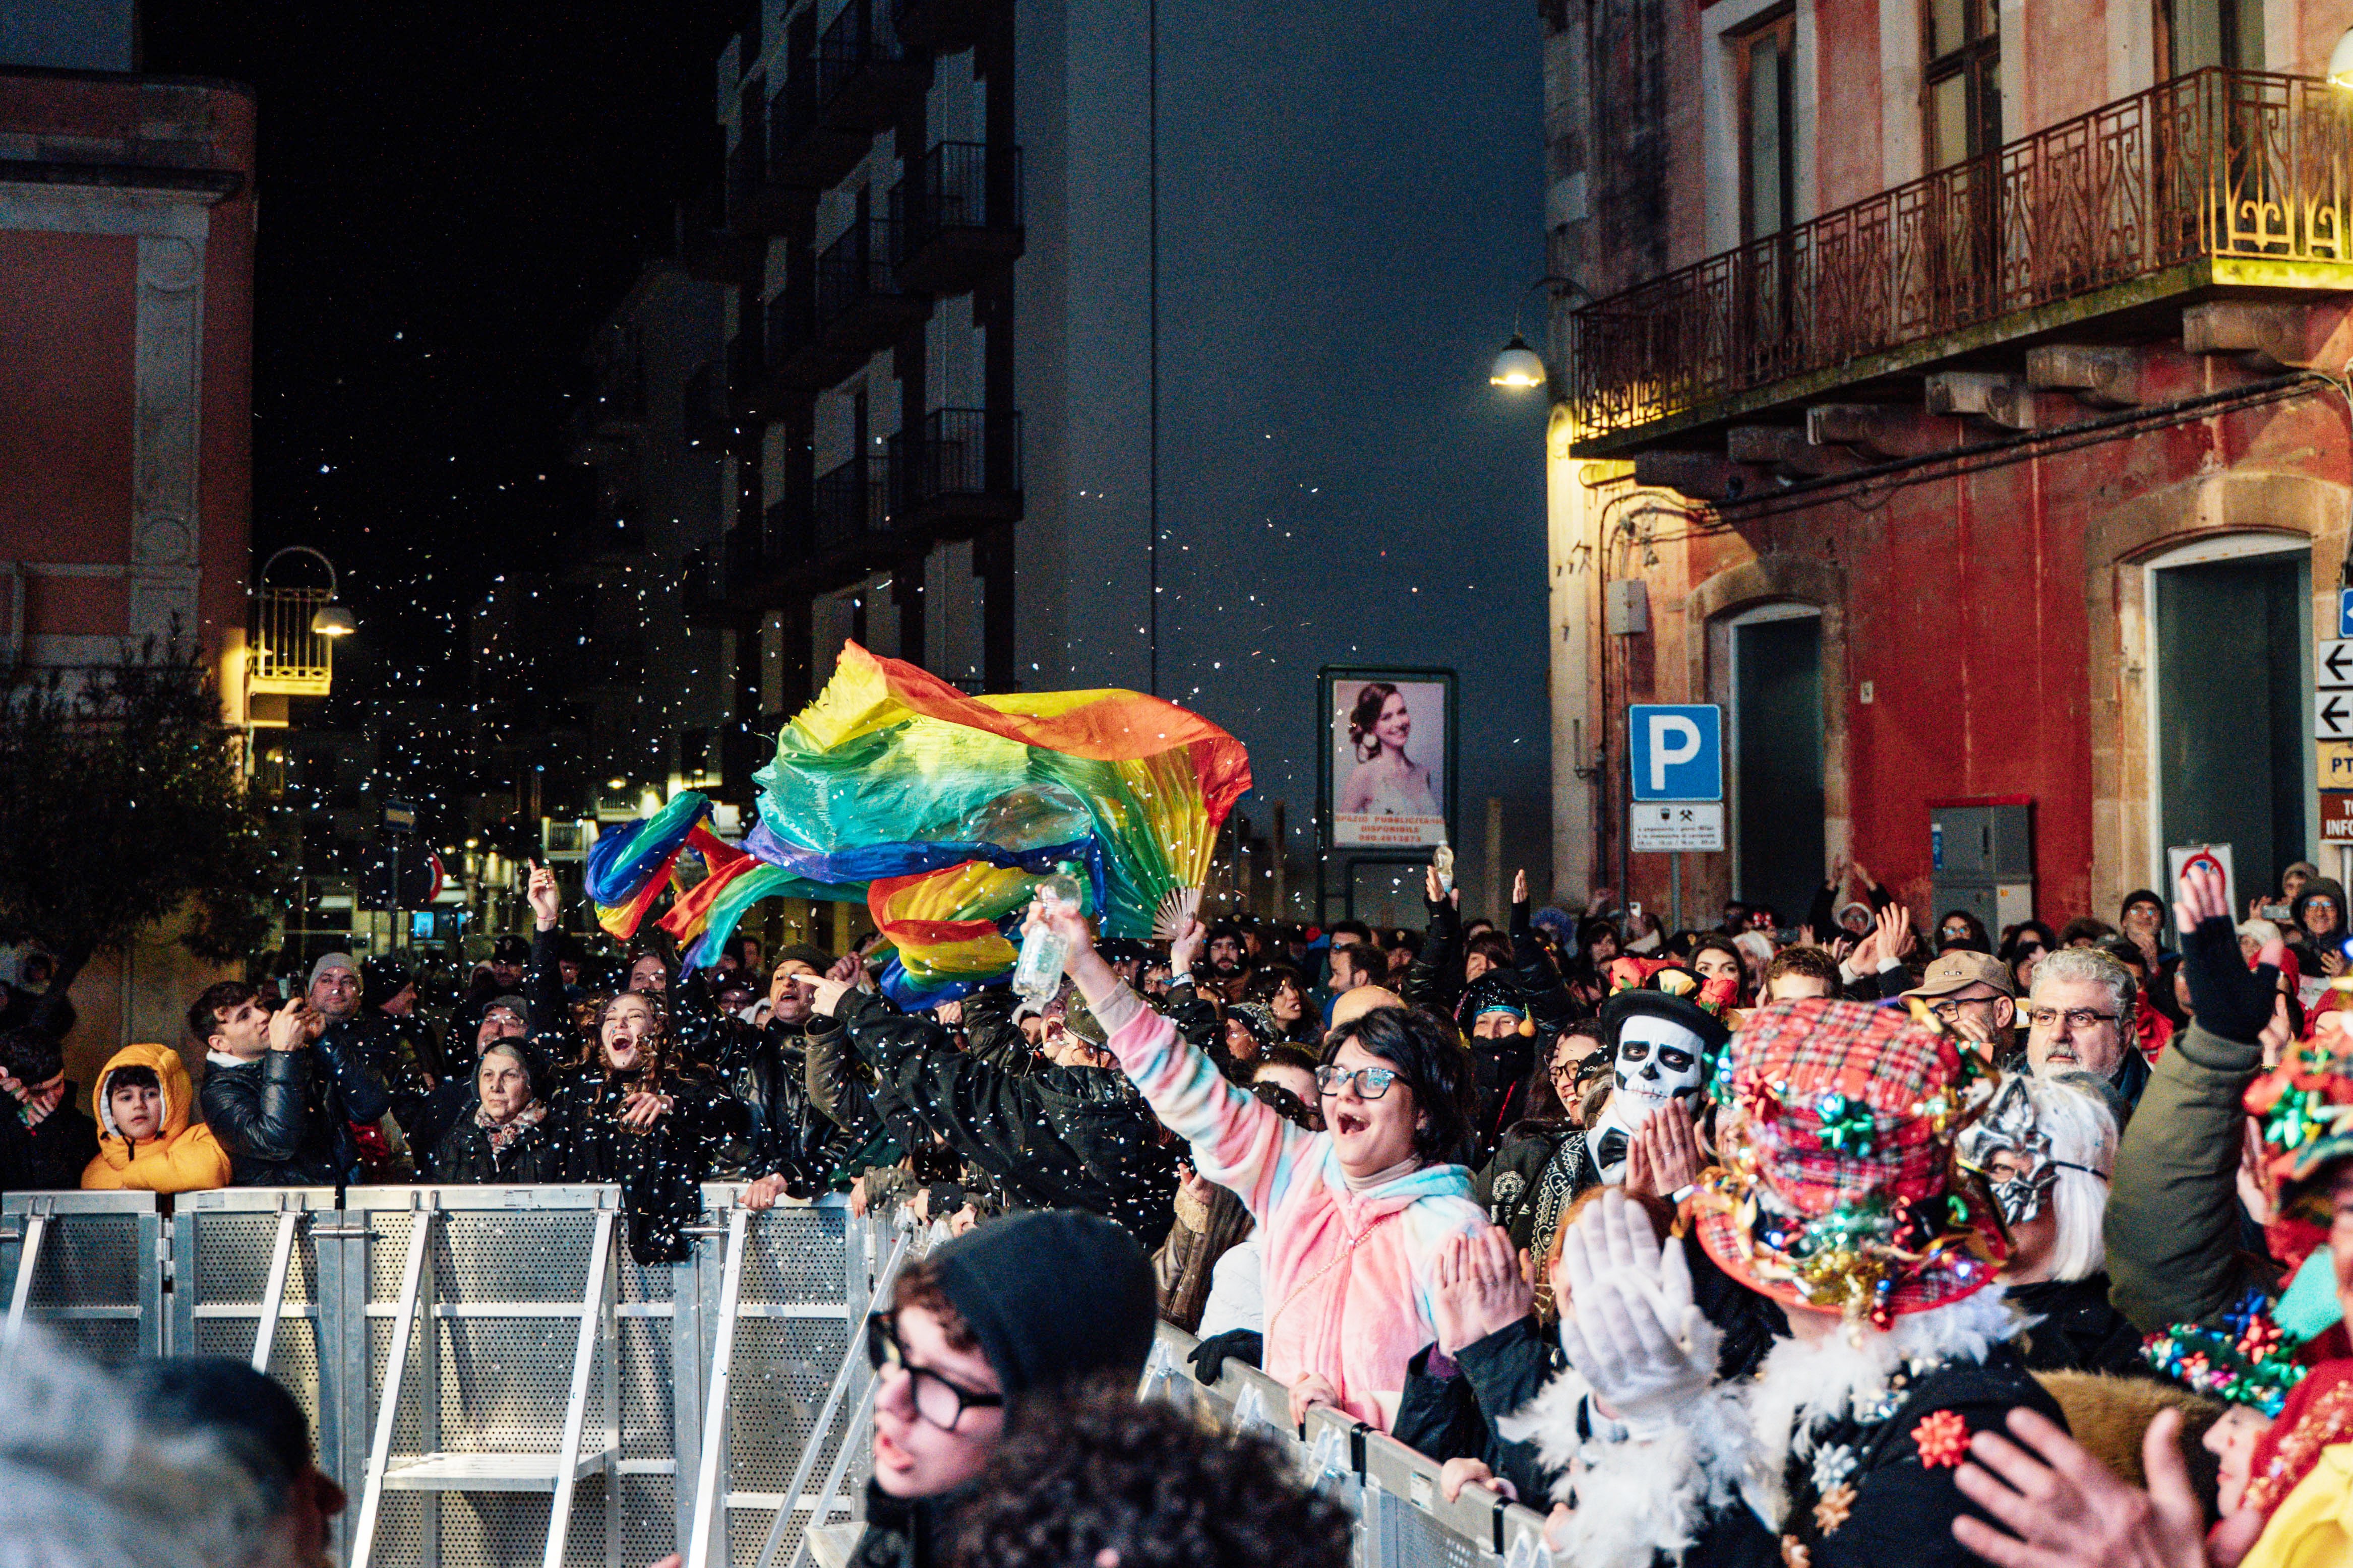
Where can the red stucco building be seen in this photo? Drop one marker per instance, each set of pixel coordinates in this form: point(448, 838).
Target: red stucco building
point(126, 311)
point(1952, 392)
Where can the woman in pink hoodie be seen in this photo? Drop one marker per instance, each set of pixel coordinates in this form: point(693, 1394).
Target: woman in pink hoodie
point(1353, 1217)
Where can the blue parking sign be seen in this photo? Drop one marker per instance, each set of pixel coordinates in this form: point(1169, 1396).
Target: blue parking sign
point(2345, 612)
point(1676, 749)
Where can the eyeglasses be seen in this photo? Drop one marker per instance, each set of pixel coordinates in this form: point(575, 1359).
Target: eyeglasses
point(1948, 1010)
point(2078, 1018)
point(936, 1400)
point(1371, 1082)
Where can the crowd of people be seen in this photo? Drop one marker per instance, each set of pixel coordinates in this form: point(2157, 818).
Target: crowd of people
point(1840, 1243)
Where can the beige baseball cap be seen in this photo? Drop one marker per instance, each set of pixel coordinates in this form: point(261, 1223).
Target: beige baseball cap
point(1958, 969)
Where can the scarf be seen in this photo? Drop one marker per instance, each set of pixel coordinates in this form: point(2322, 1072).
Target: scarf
point(503, 1133)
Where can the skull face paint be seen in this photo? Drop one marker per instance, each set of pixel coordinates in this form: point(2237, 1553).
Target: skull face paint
point(1659, 1062)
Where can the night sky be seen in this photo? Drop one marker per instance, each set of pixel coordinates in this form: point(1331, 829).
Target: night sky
point(453, 196)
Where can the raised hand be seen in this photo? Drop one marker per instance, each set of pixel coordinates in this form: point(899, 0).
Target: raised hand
point(1186, 950)
point(1667, 1146)
point(546, 898)
point(1631, 1327)
point(2232, 1001)
point(2058, 1507)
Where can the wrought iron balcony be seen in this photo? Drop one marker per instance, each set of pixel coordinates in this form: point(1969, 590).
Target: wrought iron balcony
point(865, 78)
point(958, 216)
point(961, 467)
point(2215, 183)
point(860, 306)
point(854, 515)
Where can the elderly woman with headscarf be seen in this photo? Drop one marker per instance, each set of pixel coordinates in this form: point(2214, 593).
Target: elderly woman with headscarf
point(506, 1141)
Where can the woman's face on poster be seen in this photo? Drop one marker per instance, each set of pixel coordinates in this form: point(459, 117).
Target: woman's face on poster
point(1395, 726)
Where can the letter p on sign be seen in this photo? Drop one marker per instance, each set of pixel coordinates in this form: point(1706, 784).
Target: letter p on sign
point(1675, 751)
point(1674, 739)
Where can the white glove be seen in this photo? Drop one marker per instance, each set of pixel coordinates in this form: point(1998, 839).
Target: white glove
point(1633, 1332)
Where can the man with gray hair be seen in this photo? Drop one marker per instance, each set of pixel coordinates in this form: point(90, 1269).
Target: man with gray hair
point(2080, 1018)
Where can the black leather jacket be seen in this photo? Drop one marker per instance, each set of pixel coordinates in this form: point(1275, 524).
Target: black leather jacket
point(285, 1117)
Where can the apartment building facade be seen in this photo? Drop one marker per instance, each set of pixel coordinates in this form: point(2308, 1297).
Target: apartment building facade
point(1951, 390)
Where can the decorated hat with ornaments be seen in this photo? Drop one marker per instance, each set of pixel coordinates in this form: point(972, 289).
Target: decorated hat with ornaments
point(1839, 1189)
point(2305, 1108)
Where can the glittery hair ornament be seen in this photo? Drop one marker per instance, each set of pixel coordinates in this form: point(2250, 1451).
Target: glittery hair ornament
point(2247, 1359)
point(2304, 1107)
point(1840, 1188)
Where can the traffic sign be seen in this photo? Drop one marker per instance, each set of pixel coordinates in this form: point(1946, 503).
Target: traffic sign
point(2334, 662)
point(1675, 826)
point(2345, 612)
point(1676, 749)
point(2336, 764)
point(2337, 816)
point(2332, 715)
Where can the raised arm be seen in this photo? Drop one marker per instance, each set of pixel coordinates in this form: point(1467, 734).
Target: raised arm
point(1238, 1142)
point(2173, 1208)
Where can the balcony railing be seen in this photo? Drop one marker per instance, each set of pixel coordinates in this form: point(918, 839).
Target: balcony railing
point(2238, 176)
point(853, 504)
point(864, 72)
point(949, 231)
point(285, 657)
point(963, 464)
point(861, 305)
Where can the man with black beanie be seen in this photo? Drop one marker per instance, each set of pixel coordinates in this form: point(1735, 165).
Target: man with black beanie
point(1023, 1308)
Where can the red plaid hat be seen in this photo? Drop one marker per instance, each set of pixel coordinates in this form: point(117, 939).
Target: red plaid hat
point(1838, 1189)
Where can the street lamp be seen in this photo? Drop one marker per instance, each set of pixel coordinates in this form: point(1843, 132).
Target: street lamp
point(1520, 368)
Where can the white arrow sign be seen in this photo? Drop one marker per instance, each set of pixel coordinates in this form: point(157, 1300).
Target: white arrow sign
point(2332, 715)
point(2333, 660)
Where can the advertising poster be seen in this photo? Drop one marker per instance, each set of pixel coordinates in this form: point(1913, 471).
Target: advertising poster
point(1389, 763)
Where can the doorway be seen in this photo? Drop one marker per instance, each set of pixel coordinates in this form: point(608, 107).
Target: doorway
point(2231, 755)
point(1776, 758)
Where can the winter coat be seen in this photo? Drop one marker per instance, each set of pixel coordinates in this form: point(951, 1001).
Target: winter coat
point(285, 1116)
point(181, 1159)
point(767, 1070)
point(2078, 1331)
point(2173, 1206)
point(1529, 1184)
point(1056, 1137)
point(467, 1158)
point(1349, 1277)
point(53, 1152)
point(1451, 1405)
point(661, 1170)
point(376, 1042)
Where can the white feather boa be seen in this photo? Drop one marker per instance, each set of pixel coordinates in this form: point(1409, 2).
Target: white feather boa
point(1632, 1499)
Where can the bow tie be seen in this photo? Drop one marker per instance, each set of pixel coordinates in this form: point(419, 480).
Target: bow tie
point(1611, 1150)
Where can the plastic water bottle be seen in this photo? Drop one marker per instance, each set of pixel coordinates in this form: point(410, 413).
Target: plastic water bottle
point(1038, 974)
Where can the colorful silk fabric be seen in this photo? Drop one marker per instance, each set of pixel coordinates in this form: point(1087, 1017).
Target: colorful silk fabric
point(942, 811)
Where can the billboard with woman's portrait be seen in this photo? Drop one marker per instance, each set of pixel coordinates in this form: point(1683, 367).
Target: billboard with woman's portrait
point(1388, 785)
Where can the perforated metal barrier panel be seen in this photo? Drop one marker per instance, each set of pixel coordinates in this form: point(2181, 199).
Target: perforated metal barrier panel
point(495, 1381)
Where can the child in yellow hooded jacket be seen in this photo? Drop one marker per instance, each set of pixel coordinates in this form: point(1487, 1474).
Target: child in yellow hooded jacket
point(145, 1143)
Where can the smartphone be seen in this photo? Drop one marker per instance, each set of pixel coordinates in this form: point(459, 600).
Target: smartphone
point(2274, 911)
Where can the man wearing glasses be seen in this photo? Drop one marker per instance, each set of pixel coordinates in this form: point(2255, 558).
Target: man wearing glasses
point(1024, 1306)
point(2080, 1018)
point(1973, 995)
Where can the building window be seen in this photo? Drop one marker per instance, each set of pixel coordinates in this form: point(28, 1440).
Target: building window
point(1764, 55)
point(1963, 80)
point(2194, 34)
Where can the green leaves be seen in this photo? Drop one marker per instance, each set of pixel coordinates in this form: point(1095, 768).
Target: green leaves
point(121, 804)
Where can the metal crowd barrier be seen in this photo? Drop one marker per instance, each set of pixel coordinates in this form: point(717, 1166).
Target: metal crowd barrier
point(1403, 1519)
point(551, 1400)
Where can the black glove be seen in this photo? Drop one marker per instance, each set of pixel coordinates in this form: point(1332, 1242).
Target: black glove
point(1208, 1357)
point(2231, 999)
